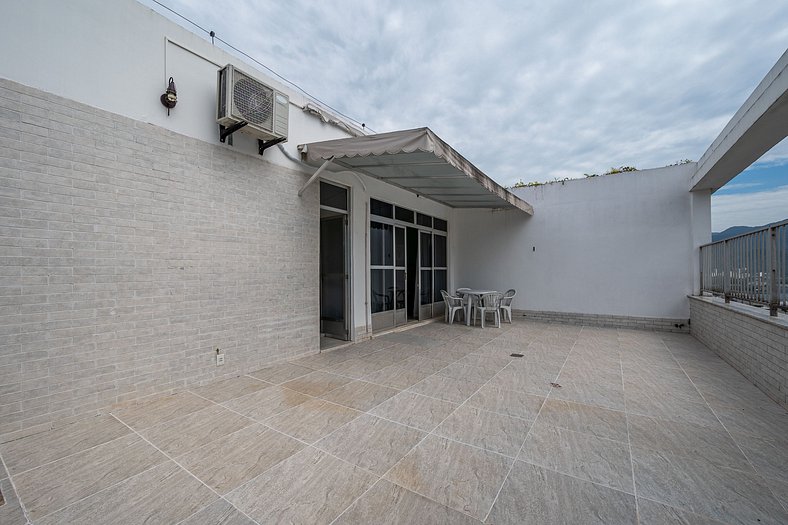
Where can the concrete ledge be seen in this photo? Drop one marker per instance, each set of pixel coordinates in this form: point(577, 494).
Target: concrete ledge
point(609, 321)
point(748, 339)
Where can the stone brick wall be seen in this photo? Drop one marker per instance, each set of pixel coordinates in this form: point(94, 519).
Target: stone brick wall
point(748, 339)
point(128, 253)
point(611, 321)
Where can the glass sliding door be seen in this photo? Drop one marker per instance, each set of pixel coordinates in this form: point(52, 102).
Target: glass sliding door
point(425, 275)
point(387, 275)
point(440, 273)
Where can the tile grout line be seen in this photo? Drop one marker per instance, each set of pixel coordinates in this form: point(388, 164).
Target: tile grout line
point(185, 470)
point(629, 438)
point(525, 439)
point(427, 434)
point(735, 442)
point(431, 432)
point(16, 492)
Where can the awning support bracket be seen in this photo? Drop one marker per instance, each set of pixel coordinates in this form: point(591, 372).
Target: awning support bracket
point(314, 176)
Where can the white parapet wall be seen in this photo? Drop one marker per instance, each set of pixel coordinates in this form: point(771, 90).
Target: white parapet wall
point(616, 245)
point(747, 338)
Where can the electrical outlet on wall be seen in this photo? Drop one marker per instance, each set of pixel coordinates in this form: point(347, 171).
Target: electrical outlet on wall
point(219, 357)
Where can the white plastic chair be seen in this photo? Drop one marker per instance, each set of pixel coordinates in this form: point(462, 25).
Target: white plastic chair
point(453, 304)
point(490, 304)
point(506, 304)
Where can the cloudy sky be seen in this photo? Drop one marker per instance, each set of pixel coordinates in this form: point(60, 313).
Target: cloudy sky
point(533, 90)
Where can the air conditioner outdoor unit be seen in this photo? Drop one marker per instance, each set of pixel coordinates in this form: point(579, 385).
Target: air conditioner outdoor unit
point(243, 99)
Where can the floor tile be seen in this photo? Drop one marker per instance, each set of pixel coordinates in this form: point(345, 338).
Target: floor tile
point(414, 410)
point(180, 435)
point(358, 367)
point(475, 374)
point(360, 395)
point(509, 402)
point(50, 487)
point(770, 458)
point(390, 504)
point(230, 388)
point(446, 388)
point(670, 408)
point(266, 403)
point(523, 380)
point(423, 363)
point(317, 383)
point(599, 393)
point(711, 444)
point(592, 420)
point(219, 512)
point(535, 495)
point(34, 450)
point(280, 373)
point(11, 512)
point(488, 430)
point(396, 376)
point(312, 420)
point(234, 459)
point(164, 494)
point(152, 411)
point(456, 475)
point(653, 513)
point(702, 488)
point(603, 461)
point(371, 443)
point(769, 425)
point(309, 487)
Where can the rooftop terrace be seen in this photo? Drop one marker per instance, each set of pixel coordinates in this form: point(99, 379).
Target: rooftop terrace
point(436, 424)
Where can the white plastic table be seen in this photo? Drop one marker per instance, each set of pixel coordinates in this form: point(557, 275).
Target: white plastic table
point(476, 293)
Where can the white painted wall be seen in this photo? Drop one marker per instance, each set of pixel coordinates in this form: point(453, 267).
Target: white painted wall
point(617, 245)
point(118, 56)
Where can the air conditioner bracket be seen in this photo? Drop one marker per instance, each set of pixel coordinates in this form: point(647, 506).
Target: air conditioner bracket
point(225, 132)
point(263, 145)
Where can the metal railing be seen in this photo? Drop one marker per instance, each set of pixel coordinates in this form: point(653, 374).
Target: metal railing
point(751, 268)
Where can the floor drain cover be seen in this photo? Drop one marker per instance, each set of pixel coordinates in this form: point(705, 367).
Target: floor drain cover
point(516, 355)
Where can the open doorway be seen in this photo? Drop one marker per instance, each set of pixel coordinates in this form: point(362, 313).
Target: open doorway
point(334, 262)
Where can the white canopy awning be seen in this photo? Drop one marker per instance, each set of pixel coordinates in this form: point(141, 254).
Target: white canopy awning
point(419, 161)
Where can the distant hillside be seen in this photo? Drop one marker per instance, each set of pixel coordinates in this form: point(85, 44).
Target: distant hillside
point(737, 230)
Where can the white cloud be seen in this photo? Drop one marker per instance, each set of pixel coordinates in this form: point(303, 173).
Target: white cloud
point(749, 209)
point(525, 90)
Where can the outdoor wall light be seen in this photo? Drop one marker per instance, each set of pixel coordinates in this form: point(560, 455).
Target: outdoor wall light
point(170, 97)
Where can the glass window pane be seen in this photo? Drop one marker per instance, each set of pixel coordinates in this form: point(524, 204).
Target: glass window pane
point(424, 220)
point(403, 214)
point(440, 251)
point(440, 224)
point(399, 292)
point(382, 290)
point(333, 196)
point(426, 249)
point(381, 209)
point(381, 244)
point(440, 284)
point(426, 287)
point(399, 247)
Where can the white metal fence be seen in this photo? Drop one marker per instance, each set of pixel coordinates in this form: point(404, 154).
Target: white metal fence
point(751, 268)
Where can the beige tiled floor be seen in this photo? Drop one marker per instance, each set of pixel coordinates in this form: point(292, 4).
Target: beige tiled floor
point(437, 424)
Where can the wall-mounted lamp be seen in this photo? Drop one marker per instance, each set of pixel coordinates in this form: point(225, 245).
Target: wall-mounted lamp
point(170, 97)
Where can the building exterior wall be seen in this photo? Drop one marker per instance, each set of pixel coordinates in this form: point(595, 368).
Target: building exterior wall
point(129, 253)
point(745, 337)
point(620, 245)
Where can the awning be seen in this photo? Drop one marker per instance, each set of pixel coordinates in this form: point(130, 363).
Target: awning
point(418, 161)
